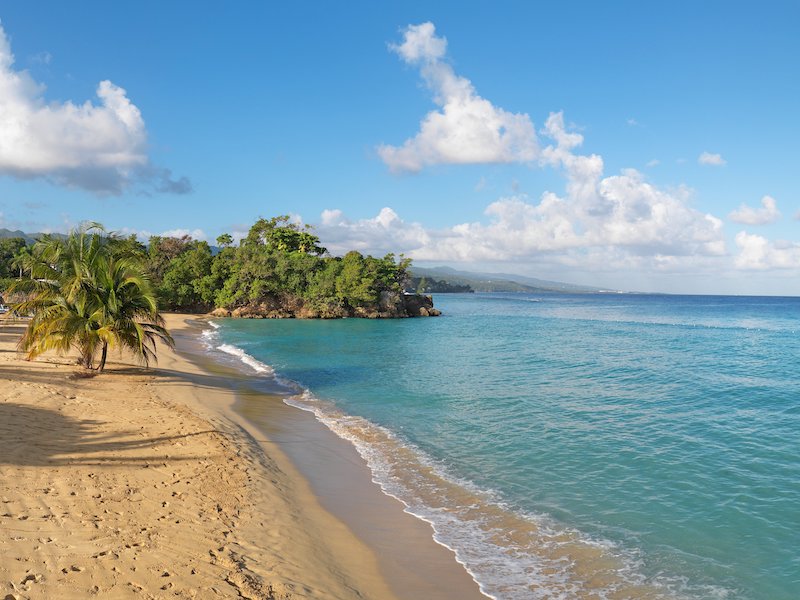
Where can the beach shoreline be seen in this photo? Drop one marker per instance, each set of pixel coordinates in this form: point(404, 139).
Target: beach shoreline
point(413, 564)
point(154, 483)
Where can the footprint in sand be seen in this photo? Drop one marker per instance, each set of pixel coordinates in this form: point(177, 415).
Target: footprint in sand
point(31, 578)
point(74, 569)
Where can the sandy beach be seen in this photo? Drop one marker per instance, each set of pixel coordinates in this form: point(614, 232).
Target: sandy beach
point(146, 484)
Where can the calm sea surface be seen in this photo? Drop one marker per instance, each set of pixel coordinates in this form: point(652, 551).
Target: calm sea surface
point(570, 446)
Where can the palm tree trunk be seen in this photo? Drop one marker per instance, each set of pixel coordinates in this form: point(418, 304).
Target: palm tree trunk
point(87, 358)
point(103, 357)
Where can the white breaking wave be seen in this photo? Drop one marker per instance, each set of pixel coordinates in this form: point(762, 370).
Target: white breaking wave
point(251, 362)
point(210, 336)
point(211, 339)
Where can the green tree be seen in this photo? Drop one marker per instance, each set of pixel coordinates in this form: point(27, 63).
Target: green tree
point(161, 251)
point(225, 240)
point(182, 285)
point(279, 233)
point(355, 283)
point(127, 246)
point(88, 293)
point(10, 248)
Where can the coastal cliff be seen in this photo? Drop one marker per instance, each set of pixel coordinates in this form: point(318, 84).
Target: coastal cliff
point(391, 305)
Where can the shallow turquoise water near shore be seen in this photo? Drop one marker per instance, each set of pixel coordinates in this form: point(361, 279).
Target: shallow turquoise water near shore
point(573, 444)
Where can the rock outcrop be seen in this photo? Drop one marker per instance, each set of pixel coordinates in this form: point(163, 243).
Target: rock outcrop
point(420, 305)
point(391, 305)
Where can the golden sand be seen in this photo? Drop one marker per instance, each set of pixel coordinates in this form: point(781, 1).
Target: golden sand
point(126, 485)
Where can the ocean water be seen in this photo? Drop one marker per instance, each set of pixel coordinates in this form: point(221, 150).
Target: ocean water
point(571, 446)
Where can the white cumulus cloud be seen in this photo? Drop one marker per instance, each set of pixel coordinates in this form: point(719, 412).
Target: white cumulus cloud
point(606, 221)
point(384, 233)
point(99, 147)
point(466, 128)
point(758, 253)
point(768, 213)
point(714, 160)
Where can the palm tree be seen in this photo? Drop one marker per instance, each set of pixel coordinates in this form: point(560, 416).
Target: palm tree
point(20, 260)
point(130, 317)
point(88, 292)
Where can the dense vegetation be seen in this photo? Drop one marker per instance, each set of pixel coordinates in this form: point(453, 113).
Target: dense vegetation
point(12, 255)
point(278, 270)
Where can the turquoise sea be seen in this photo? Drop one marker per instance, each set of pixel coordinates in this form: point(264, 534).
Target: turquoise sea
point(569, 446)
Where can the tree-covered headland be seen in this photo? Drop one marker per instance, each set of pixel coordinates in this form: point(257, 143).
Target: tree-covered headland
point(278, 270)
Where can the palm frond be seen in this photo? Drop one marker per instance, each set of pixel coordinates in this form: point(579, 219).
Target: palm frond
point(82, 295)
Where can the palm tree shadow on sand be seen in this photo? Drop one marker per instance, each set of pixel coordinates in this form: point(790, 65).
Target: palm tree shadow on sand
point(40, 437)
point(10, 334)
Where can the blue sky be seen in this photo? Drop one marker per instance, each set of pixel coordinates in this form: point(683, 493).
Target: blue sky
point(625, 144)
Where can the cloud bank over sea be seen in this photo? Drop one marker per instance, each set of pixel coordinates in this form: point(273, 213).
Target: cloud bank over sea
point(598, 222)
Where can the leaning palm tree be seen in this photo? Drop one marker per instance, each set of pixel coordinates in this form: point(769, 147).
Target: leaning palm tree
point(130, 318)
point(89, 293)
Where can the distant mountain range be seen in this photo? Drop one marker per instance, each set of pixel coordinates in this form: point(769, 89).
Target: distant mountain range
point(501, 282)
point(29, 238)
